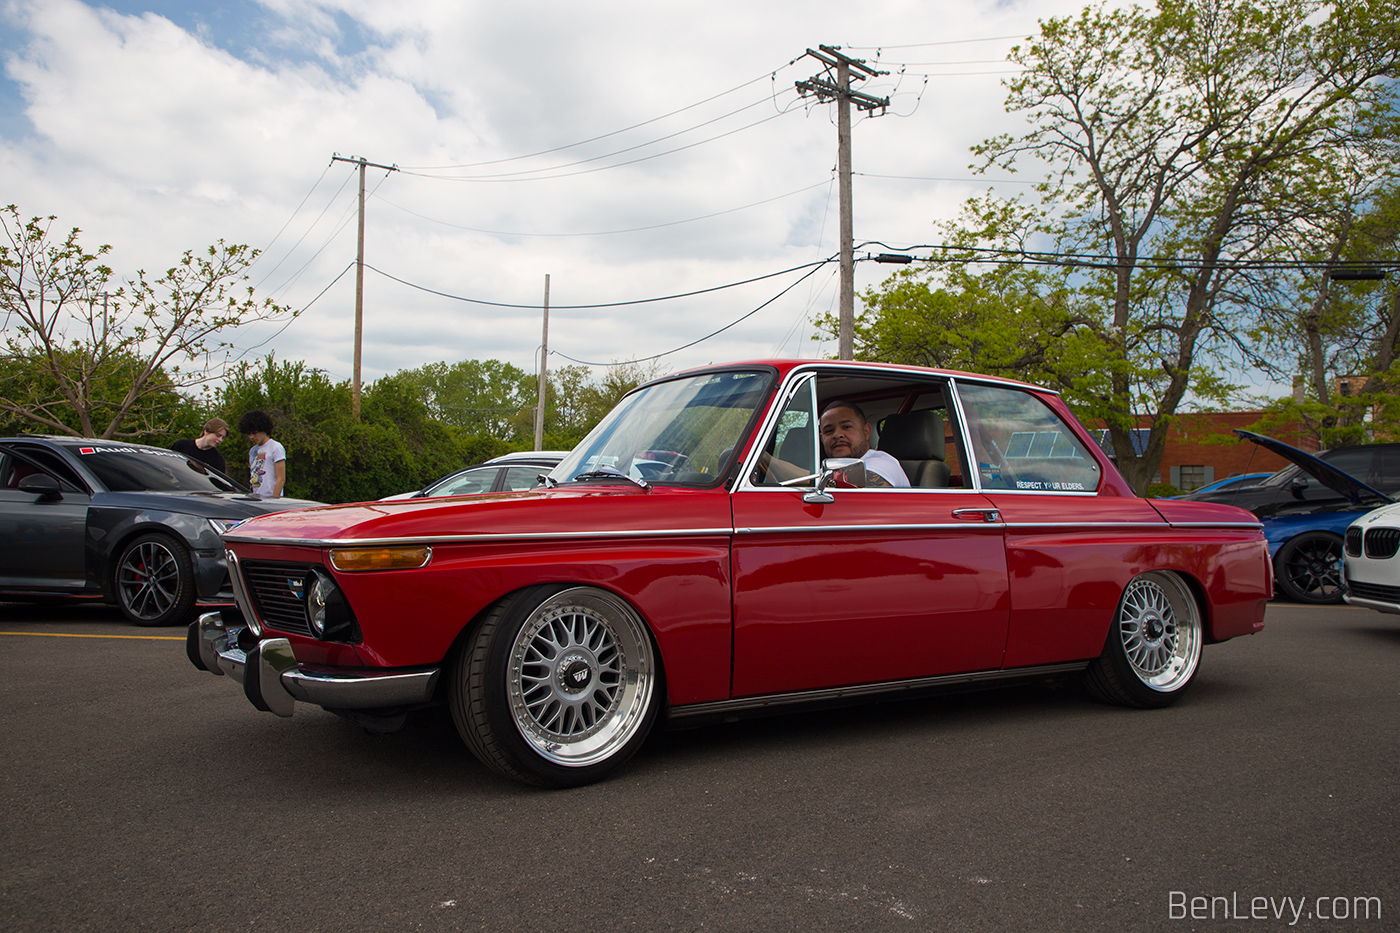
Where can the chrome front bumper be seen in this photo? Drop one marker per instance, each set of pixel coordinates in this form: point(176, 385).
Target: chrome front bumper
point(219, 642)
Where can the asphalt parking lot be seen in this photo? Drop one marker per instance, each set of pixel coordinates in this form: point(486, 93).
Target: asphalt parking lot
point(143, 794)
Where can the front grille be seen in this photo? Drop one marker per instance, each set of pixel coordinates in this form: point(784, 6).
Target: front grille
point(1376, 591)
point(1382, 543)
point(1353, 542)
point(275, 588)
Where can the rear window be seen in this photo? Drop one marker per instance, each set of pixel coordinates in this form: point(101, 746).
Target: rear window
point(128, 469)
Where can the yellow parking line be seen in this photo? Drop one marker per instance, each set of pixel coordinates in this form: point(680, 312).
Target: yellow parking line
point(71, 635)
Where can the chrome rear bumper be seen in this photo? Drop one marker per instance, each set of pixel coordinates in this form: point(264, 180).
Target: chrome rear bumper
point(218, 642)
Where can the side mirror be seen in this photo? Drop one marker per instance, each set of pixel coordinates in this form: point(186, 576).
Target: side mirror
point(851, 468)
point(41, 484)
point(1298, 485)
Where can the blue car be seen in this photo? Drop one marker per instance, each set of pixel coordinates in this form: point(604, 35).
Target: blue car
point(1229, 482)
point(1306, 507)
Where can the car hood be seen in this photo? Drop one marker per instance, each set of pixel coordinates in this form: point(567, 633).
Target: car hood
point(233, 506)
point(572, 511)
point(1344, 484)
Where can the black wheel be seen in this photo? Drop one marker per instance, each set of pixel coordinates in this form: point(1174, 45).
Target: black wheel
point(154, 581)
point(1153, 650)
point(1308, 569)
point(558, 686)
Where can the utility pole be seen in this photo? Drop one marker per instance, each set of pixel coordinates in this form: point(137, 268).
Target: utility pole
point(835, 85)
point(544, 356)
point(359, 279)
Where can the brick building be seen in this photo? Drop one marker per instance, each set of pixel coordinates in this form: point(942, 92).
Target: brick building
point(1201, 448)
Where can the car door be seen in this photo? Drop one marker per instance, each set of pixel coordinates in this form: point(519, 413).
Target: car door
point(877, 585)
point(44, 537)
point(1070, 552)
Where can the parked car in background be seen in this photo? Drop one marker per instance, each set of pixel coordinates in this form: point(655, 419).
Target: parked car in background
point(507, 473)
point(134, 525)
point(1307, 506)
point(1230, 482)
point(1371, 569)
point(561, 623)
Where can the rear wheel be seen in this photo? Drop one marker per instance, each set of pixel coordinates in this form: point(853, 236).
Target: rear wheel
point(1153, 650)
point(558, 686)
point(1308, 569)
point(154, 581)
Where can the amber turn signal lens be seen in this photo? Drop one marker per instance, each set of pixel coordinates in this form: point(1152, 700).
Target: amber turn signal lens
point(379, 558)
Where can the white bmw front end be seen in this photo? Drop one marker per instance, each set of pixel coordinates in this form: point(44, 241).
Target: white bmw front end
point(1371, 562)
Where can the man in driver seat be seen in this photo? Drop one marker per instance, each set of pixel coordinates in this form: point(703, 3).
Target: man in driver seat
point(846, 433)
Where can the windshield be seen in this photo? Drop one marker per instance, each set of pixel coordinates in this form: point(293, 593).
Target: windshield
point(680, 432)
point(133, 469)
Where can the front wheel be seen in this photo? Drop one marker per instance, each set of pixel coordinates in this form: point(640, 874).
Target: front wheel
point(1153, 650)
point(558, 686)
point(154, 581)
point(1308, 569)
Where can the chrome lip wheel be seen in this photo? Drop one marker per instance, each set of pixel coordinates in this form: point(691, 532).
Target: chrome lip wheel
point(581, 677)
point(149, 580)
point(1160, 631)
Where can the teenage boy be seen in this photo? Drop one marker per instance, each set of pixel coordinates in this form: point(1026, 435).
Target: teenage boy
point(267, 459)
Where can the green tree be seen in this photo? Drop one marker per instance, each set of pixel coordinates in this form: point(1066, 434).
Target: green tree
point(80, 359)
point(395, 446)
point(1172, 140)
point(481, 396)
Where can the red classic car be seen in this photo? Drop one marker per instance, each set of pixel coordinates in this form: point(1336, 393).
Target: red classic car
point(742, 570)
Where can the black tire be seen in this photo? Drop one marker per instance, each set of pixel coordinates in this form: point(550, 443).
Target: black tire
point(153, 581)
point(558, 686)
point(1153, 649)
point(1307, 568)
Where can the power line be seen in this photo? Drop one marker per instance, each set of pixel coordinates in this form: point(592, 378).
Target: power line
point(999, 256)
point(673, 223)
point(737, 87)
point(715, 333)
point(610, 304)
point(538, 176)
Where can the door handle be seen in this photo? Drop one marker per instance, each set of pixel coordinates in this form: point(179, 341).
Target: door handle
point(973, 515)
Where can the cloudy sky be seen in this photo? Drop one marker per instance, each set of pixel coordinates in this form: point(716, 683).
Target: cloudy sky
point(630, 149)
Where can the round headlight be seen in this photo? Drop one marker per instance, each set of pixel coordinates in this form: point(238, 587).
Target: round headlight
point(319, 592)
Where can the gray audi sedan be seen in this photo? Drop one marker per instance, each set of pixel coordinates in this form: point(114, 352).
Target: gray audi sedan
point(125, 523)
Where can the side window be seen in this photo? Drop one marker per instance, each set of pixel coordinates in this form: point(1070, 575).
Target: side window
point(523, 477)
point(791, 452)
point(1019, 443)
point(469, 482)
point(31, 459)
point(1390, 469)
point(1356, 463)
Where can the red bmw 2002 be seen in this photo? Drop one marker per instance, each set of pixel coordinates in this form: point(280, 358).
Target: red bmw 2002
point(726, 542)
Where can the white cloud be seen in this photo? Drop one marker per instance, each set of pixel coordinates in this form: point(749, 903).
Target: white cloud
point(156, 139)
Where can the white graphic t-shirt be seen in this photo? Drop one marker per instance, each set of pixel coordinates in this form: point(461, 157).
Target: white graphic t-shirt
point(262, 473)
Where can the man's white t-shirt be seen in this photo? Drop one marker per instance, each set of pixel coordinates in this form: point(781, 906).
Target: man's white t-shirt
point(262, 471)
point(877, 461)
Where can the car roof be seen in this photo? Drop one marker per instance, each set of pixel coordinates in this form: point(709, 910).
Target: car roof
point(786, 366)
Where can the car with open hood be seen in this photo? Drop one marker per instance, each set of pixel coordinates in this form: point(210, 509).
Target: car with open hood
point(1307, 506)
point(738, 570)
point(1371, 568)
point(124, 523)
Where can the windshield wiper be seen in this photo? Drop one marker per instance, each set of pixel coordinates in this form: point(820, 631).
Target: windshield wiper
point(611, 473)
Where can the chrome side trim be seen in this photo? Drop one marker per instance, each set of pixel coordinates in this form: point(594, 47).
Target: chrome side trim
point(772, 700)
point(814, 529)
point(485, 537)
point(1255, 525)
point(1156, 525)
